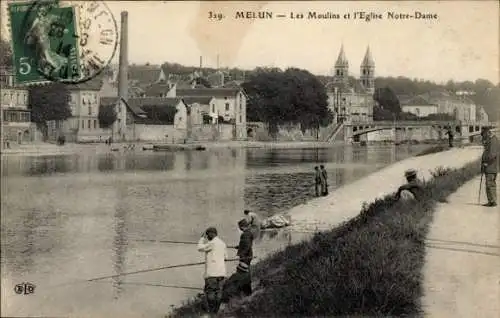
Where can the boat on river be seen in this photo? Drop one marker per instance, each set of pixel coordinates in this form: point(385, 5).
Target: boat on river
point(179, 147)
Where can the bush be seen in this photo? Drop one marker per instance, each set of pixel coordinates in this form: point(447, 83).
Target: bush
point(368, 266)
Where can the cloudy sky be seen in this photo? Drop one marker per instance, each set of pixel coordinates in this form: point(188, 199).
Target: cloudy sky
point(461, 44)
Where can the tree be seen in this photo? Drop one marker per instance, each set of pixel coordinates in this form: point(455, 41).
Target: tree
point(5, 54)
point(291, 97)
point(49, 102)
point(387, 99)
point(106, 116)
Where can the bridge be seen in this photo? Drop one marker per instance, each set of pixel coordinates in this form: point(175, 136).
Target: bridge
point(405, 130)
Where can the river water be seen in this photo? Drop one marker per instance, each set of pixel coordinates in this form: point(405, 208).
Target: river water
point(70, 218)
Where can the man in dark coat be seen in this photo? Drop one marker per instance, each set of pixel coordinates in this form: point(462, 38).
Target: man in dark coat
point(449, 132)
point(317, 181)
point(490, 163)
point(324, 180)
point(413, 185)
point(240, 283)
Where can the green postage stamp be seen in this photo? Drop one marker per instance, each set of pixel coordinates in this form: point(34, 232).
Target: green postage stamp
point(44, 42)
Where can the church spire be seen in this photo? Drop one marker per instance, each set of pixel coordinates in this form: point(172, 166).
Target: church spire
point(368, 59)
point(341, 59)
point(368, 71)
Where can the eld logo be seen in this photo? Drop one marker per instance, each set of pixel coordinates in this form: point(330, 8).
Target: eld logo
point(24, 289)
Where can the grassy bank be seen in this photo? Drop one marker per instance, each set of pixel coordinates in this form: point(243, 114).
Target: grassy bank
point(370, 265)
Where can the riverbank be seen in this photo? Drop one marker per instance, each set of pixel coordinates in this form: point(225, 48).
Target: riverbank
point(370, 265)
point(466, 233)
point(71, 148)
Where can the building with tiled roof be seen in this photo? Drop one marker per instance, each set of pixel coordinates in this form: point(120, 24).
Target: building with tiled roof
point(419, 106)
point(461, 107)
point(228, 106)
point(351, 99)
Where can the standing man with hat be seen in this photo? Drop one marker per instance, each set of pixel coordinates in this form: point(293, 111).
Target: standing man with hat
point(490, 161)
point(413, 185)
point(215, 268)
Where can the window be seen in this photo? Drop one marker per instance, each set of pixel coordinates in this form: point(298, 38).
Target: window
point(213, 108)
point(364, 72)
point(88, 124)
point(83, 124)
point(338, 72)
point(227, 106)
point(95, 123)
point(90, 110)
point(240, 119)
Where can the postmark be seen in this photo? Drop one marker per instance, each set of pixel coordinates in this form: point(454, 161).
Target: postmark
point(44, 44)
point(97, 36)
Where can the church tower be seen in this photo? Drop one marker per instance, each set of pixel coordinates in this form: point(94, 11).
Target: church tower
point(341, 67)
point(367, 71)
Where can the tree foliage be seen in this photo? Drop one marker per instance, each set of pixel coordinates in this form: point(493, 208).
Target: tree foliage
point(294, 96)
point(106, 116)
point(49, 102)
point(387, 100)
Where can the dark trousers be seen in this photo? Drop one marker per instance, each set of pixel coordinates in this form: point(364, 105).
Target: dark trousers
point(318, 187)
point(240, 283)
point(213, 293)
point(491, 187)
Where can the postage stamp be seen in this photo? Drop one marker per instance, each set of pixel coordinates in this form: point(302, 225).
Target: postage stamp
point(44, 42)
point(61, 41)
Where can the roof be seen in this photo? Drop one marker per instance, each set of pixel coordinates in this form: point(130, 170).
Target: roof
point(157, 89)
point(417, 101)
point(203, 100)
point(108, 101)
point(144, 74)
point(153, 101)
point(208, 92)
point(94, 84)
point(403, 98)
point(342, 59)
point(368, 59)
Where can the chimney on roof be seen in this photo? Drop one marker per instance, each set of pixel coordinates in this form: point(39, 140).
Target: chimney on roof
point(201, 62)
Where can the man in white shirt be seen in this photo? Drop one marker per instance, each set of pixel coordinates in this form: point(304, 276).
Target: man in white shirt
point(215, 268)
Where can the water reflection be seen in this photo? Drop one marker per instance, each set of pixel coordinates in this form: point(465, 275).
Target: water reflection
point(120, 241)
point(79, 216)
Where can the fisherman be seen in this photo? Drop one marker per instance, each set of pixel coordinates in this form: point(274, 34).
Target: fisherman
point(240, 283)
point(490, 162)
point(450, 136)
point(253, 222)
point(324, 180)
point(317, 180)
point(215, 268)
point(245, 254)
point(413, 186)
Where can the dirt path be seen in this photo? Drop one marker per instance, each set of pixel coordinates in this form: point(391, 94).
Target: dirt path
point(462, 269)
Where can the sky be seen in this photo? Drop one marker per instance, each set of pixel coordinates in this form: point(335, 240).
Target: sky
point(461, 44)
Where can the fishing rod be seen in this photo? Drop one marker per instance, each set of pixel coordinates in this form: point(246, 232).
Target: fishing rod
point(176, 242)
point(155, 269)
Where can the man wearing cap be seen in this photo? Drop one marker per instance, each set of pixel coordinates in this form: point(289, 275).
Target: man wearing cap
point(245, 253)
point(215, 268)
point(253, 222)
point(412, 186)
point(490, 162)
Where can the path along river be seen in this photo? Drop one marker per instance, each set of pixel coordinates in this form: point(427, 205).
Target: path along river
point(69, 218)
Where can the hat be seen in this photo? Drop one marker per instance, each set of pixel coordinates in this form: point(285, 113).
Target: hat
point(242, 267)
point(410, 173)
point(243, 223)
point(211, 230)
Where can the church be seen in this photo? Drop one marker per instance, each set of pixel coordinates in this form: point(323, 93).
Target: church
point(351, 99)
